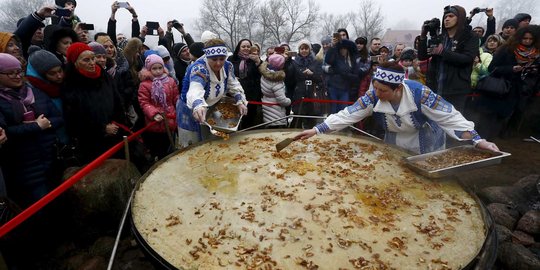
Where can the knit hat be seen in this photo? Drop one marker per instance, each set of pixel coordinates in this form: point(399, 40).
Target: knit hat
point(304, 42)
point(360, 40)
point(276, 61)
point(521, 17)
point(8, 62)
point(149, 52)
point(207, 35)
point(151, 60)
point(62, 3)
point(178, 48)
point(511, 22)
point(408, 54)
point(326, 40)
point(75, 50)
point(42, 60)
point(196, 49)
point(97, 48)
point(162, 51)
point(4, 40)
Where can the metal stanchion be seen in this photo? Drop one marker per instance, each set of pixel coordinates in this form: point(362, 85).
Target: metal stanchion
point(119, 234)
point(126, 148)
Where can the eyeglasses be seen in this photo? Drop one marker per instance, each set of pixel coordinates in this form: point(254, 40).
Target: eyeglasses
point(13, 74)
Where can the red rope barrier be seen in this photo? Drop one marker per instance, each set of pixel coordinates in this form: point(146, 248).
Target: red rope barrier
point(28, 212)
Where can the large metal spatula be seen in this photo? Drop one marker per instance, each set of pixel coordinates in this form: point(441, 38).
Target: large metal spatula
point(284, 143)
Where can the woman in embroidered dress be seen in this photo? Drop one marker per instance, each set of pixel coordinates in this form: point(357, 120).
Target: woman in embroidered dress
point(413, 116)
point(207, 80)
point(158, 94)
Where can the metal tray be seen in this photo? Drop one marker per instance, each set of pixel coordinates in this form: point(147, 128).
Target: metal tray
point(439, 173)
point(223, 125)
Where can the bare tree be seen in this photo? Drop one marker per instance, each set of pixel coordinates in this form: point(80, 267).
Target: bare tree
point(12, 10)
point(368, 20)
point(227, 18)
point(330, 23)
point(504, 11)
point(288, 21)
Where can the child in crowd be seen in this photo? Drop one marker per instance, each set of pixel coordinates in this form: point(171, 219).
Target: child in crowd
point(158, 94)
point(273, 90)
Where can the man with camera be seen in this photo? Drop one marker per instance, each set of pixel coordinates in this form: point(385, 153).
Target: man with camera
point(452, 54)
point(490, 26)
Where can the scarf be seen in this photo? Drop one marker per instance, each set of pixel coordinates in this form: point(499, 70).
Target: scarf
point(242, 68)
point(304, 62)
point(525, 55)
point(21, 100)
point(51, 89)
point(158, 91)
point(91, 75)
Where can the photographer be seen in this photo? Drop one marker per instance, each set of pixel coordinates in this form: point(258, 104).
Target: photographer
point(490, 25)
point(452, 54)
point(111, 25)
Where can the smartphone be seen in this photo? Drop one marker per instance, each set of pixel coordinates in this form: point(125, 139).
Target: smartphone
point(62, 12)
point(151, 27)
point(86, 26)
point(123, 5)
point(293, 53)
point(337, 36)
point(374, 58)
point(29, 116)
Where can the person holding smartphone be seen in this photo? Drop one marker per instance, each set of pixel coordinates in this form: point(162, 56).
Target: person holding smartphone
point(65, 13)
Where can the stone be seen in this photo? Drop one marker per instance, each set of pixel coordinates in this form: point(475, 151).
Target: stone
point(95, 263)
point(75, 262)
point(503, 234)
point(100, 197)
point(102, 247)
point(530, 222)
point(529, 184)
point(503, 214)
point(511, 195)
point(522, 238)
point(517, 257)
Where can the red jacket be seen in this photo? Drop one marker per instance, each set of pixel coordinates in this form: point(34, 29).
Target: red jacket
point(151, 108)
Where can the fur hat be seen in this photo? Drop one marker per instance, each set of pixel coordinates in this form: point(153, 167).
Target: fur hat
point(75, 50)
point(521, 17)
point(97, 48)
point(152, 60)
point(54, 32)
point(162, 51)
point(207, 35)
point(178, 48)
point(8, 62)
point(62, 3)
point(408, 54)
point(276, 61)
point(511, 22)
point(196, 49)
point(42, 60)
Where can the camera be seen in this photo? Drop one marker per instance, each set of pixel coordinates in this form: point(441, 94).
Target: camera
point(176, 24)
point(433, 27)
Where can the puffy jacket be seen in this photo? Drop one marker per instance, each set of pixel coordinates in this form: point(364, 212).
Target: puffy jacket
point(151, 108)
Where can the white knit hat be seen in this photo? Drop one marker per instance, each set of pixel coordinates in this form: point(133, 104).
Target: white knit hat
point(162, 51)
point(207, 35)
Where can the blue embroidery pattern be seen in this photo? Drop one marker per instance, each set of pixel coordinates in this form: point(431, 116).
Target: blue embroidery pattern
point(434, 101)
point(323, 128)
point(397, 119)
point(218, 88)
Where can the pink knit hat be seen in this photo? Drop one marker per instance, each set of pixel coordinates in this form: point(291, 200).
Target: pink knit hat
point(151, 60)
point(8, 62)
point(276, 61)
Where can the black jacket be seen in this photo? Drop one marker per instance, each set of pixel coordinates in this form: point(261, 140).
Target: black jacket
point(457, 65)
point(89, 105)
point(251, 82)
point(26, 31)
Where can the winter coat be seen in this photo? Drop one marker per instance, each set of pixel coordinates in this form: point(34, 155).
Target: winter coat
point(151, 108)
point(456, 64)
point(273, 90)
point(481, 69)
point(26, 31)
point(89, 106)
point(29, 152)
point(343, 71)
point(251, 82)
